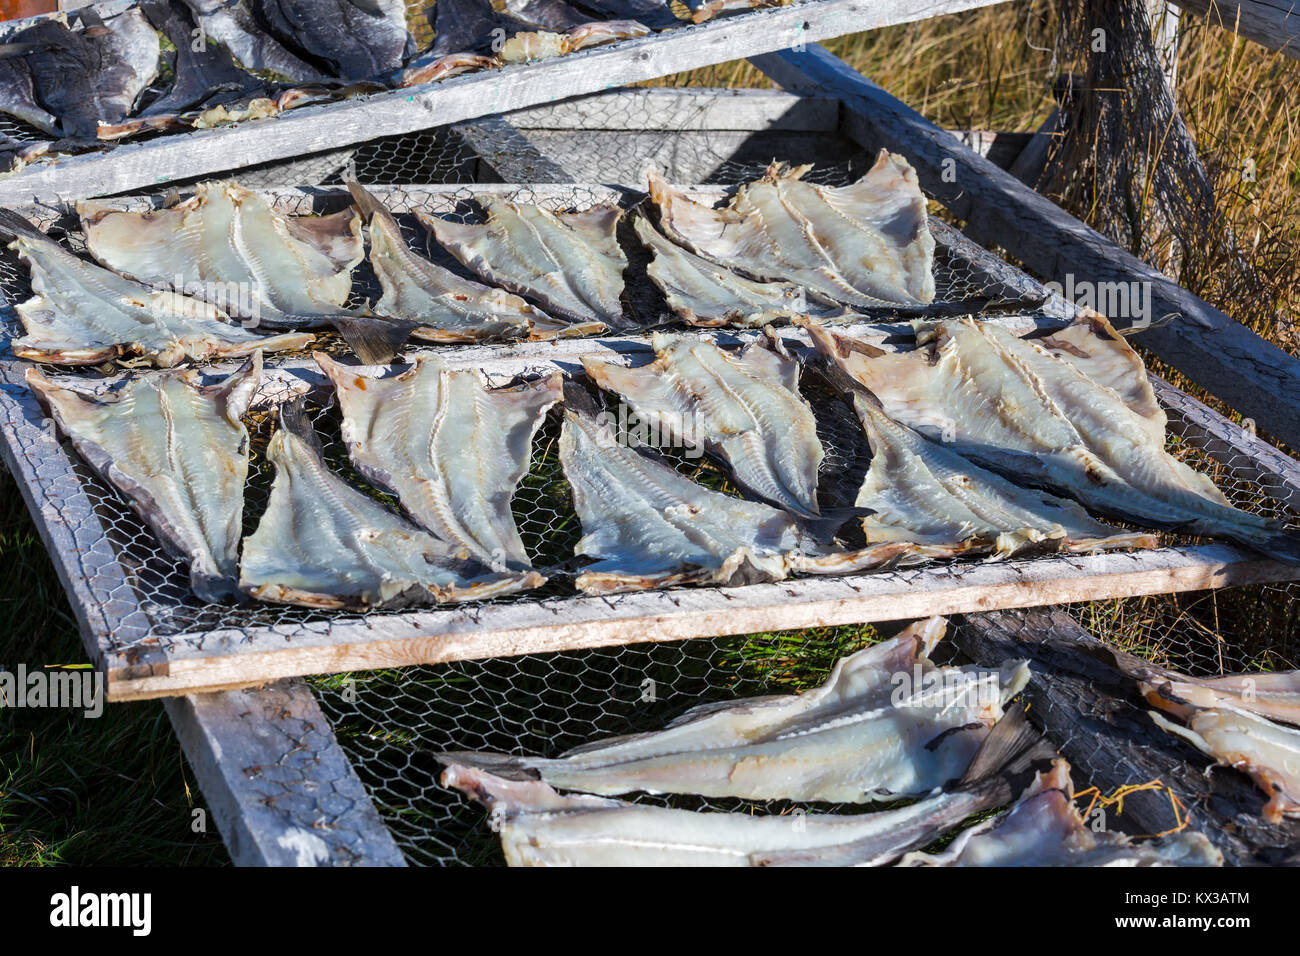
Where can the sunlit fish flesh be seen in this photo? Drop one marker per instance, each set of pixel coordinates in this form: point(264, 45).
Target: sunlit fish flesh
point(178, 452)
point(81, 314)
point(570, 263)
point(540, 827)
point(862, 245)
point(452, 450)
point(226, 244)
point(1274, 695)
point(746, 407)
point(1267, 752)
point(706, 294)
point(1015, 407)
point(1044, 829)
point(322, 543)
point(887, 723)
point(448, 307)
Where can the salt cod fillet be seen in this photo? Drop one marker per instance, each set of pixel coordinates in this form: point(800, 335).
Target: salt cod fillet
point(350, 39)
point(540, 827)
point(570, 262)
point(1016, 408)
point(647, 526)
point(226, 245)
point(18, 96)
point(448, 308)
point(450, 449)
point(235, 25)
point(745, 407)
point(708, 295)
point(1044, 829)
point(199, 74)
point(324, 544)
point(178, 452)
point(863, 245)
point(1274, 695)
point(81, 314)
point(886, 723)
point(923, 492)
point(1269, 753)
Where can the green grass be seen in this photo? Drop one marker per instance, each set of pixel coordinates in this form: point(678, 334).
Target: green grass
point(76, 791)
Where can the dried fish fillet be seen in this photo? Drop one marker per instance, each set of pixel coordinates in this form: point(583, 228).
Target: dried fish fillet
point(448, 308)
point(540, 827)
point(324, 544)
point(700, 11)
point(81, 314)
point(706, 294)
point(178, 452)
point(746, 407)
point(227, 245)
point(1014, 407)
point(862, 245)
point(568, 262)
point(451, 450)
point(647, 526)
point(235, 25)
point(923, 492)
point(886, 723)
point(352, 40)
point(1274, 695)
point(1269, 753)
point(1044, 829)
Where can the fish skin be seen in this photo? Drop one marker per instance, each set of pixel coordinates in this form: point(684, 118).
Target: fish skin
point(1012, 406)
point(91, 76)
point(293, 270)
point(1044, 829)
point(235, 25)
point(746, 407)
point(450, 309)
point(81, 314)
point(450, 449)
point(864, 245)
point(570, 263)
point(887, 723)
point(701, 11)
point(324, 544)
point(647, 526)
point(1267, 752)
point(178, 452)
point(655, 14)
point(18, 96)
point(539, 827)
point(199, 75)
point(349, 40)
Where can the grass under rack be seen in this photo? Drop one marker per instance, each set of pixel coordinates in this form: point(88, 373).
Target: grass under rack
point(117, 790)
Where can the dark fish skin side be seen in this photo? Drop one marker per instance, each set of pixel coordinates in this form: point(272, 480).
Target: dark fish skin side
point(17, 96)
point(653, 13)
point(200, 75)
point(476, 26)
point(349, 40)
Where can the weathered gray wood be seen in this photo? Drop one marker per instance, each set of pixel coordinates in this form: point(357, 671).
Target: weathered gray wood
point(1257, 378)
point(1271, 23)
point(230, 658)
point(683, 110)
point(503, 153)
point(1000, 149)
point(1095, 716)
point(330, 126)
point(279, 787)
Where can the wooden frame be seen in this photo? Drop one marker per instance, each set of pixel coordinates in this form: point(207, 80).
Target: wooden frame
point(328, 126)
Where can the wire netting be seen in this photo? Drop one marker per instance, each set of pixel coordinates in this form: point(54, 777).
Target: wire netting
point(391, 722)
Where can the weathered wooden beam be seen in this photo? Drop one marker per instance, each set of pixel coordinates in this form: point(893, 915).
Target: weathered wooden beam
point(312, 129)
point(1255, 377)
point(1096, 718)
point(1271, 23)
point(279, 787)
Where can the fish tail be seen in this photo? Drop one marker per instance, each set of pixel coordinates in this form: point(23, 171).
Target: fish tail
point(1011, 750)
point(504, 766)
point(13, 225)
point(366, 202)
point(294, 420)
point(375, 340)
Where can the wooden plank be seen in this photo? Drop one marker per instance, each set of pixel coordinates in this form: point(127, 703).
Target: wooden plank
point(1257, 378)
point(234, 658)
point(330, 126)
point(279, 787)
point(1095, 717)
point(1271, 23)
point(683, 110)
